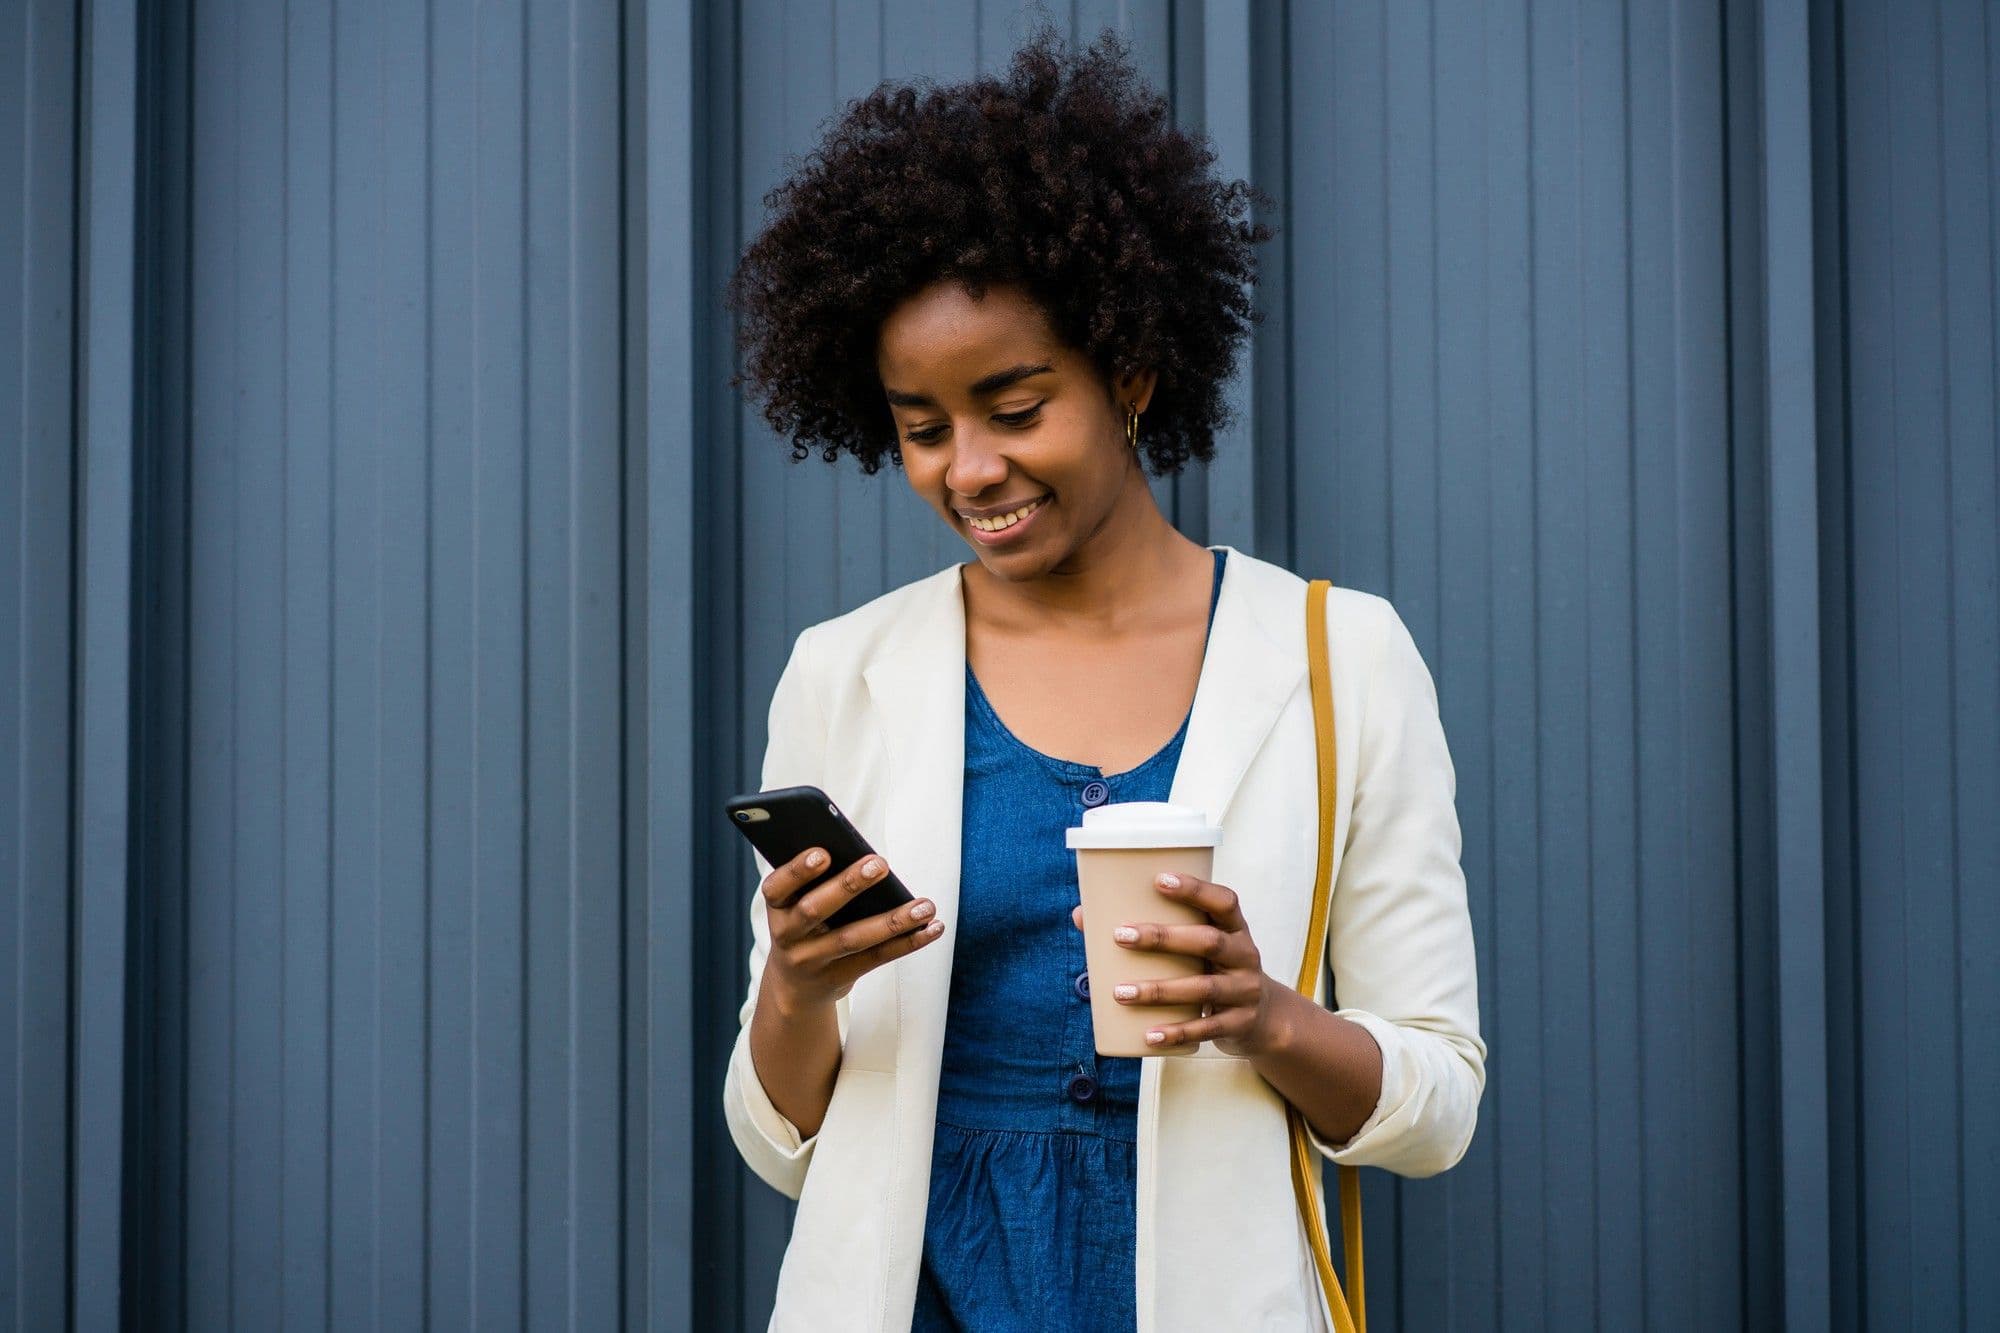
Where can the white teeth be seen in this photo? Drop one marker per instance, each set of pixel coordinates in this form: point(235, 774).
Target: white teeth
point(1004, 521)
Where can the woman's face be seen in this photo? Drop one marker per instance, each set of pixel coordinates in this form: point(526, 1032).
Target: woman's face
point(993, 413)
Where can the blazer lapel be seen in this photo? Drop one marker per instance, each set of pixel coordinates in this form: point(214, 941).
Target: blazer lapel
point(1250, 669)
point(916, 686)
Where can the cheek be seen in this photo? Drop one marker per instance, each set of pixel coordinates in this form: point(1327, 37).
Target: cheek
point(1073, 452)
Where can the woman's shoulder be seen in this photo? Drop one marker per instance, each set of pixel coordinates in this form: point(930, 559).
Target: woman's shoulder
point(1352, 616)
point(887, 617)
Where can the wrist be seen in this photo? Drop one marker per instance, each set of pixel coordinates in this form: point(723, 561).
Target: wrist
point(1278, 1033)
point(777, 994)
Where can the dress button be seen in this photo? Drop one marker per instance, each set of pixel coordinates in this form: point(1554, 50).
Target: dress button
point(1082, 985)
point(1095, 793)
point(1082, 1087)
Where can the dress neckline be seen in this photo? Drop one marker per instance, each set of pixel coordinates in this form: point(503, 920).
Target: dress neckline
point(1076, 768)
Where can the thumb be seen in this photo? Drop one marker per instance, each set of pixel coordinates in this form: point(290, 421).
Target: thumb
point(1076, 916)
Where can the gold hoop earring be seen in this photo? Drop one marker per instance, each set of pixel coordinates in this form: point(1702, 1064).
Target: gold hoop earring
point(1132, 427)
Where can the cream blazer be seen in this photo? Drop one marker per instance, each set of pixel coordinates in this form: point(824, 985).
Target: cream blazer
point(871, 708)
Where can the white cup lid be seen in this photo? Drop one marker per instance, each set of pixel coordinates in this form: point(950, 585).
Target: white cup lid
point(1142, 824)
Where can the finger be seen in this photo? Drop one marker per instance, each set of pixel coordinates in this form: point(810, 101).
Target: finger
point(810, 912)
point(1230, 1023)
point(1076, 916)
point(1207, 942)
point(785, 881)
point(1219, 901)
point(860, 936)
point(860, 964)
point(1222, 990)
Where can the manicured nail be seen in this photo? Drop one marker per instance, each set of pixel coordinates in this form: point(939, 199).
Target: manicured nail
point(1170, 881)
point(1125, 992)
point(871, 868)
point(815, 859)
point(1155, 1037)
point(1125, 935)
point(922, 911)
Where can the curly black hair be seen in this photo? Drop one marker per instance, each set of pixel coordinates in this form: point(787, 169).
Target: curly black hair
point(1066, 177)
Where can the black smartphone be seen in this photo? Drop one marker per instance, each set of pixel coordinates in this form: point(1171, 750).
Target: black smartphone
point(785, 821)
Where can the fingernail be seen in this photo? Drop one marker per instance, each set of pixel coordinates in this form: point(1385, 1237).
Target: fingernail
point(1170, 881)
point(1125, 935)
point(1155, 1037)
point(871, 868)
point(922, 911)
point(934, 929)
point(1125, 992)
point(815, 859)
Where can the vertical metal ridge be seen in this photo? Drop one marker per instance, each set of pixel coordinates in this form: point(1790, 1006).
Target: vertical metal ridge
point(1229, 486)
point(1290, 419)
point(1965, 109)
point(427, 827)
point(1795, 665)
point(1384, 576)
point(668, 138)
point(1434, 315)
point(1631, 1283)
point(53, 672)
point(1975, 617)
point(104, 313)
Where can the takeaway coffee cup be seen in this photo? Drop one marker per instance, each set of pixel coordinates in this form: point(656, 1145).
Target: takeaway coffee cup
point(1120, 848)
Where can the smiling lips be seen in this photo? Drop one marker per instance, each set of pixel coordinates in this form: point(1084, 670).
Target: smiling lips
point(1003, 522)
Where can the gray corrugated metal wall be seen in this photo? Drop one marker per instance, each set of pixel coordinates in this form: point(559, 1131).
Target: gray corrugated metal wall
point(396, 915)
point(1913, 683)
point(38, 659)
point(394, 586)
point(1509, 284)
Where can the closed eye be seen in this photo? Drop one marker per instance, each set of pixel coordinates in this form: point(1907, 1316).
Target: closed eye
point(1024, 417)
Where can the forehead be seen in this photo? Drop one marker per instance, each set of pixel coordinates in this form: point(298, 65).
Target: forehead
point(942, 332)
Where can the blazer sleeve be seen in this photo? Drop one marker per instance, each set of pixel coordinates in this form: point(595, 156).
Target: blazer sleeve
point(794, 754)
point(1399, 934)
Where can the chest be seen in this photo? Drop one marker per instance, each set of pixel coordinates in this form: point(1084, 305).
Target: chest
point(1108, 706)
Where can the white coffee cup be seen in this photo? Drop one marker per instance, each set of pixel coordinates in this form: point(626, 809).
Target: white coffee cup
point(1120, 849)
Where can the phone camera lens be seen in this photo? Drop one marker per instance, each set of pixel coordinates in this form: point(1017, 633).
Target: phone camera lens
point(742, 816)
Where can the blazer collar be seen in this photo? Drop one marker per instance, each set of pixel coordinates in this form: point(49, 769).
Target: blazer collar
point(916, 683)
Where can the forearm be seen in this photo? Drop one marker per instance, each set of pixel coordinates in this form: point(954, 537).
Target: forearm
point(795, 1048)
point(1329, 1068)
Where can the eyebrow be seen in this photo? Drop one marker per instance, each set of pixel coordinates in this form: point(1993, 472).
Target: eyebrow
point(994, 383)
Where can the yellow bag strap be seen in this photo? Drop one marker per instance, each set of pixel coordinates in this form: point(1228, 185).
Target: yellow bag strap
point(1349, 1316)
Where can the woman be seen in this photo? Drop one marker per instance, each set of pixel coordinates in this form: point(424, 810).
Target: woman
point(1023, 291)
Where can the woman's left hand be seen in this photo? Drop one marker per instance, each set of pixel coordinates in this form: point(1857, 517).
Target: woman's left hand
point(1238, 998)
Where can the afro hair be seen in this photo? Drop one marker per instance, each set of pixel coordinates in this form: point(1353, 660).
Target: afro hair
point(1065, 177)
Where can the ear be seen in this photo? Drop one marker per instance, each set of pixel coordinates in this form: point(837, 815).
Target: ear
point(1137, 388)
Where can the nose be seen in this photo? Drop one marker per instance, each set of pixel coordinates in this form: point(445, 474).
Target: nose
point(976, 463)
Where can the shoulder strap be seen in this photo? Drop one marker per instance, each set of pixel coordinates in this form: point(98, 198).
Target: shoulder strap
point(1349, 1316)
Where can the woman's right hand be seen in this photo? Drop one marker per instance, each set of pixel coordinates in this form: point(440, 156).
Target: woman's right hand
point(812, 964)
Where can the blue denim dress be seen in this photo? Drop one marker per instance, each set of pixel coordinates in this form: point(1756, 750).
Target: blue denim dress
point(1033, 1168)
